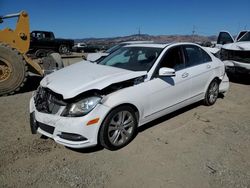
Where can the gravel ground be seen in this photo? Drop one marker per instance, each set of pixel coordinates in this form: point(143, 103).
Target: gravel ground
point(198, 146)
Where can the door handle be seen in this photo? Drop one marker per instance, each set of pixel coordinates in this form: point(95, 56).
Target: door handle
point(184, 75)
point(208, 66)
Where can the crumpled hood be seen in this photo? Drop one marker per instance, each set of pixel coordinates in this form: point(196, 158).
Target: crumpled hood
point(241, 46)
point(83, 76)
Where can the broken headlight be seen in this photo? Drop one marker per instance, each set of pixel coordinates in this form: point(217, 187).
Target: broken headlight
point(81, 107)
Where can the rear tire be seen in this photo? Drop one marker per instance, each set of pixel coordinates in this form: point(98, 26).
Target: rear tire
point(119, 128)
point(41, 53)
point(212, 93)
point(13, 70)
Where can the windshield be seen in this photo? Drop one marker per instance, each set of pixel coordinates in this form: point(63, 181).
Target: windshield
point(132, 58)
point(114, 48)
point(245, 37)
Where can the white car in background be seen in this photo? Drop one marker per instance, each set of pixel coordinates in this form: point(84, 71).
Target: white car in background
point(94, 57)
point(86, 103)
point(235, 53)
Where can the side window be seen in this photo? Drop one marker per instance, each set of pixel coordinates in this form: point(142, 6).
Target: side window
point(39, 36)
point(195, 55)
point(47, 36)
point(206, 57)
point(33, 35)
point(173, 59)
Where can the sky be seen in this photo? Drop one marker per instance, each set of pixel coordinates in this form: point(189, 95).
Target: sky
point(110, 18)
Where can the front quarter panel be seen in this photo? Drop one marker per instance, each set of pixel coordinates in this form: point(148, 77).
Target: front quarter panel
point(136, 95)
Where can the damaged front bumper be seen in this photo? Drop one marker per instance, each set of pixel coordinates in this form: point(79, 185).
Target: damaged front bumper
point(237, 67)
point(73, 132)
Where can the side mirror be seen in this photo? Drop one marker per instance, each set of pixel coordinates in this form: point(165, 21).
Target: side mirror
point(164, 71)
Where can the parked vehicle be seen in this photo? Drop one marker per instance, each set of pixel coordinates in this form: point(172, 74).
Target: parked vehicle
point(79, 47)
point(235, 52)
point(83, 47)
point(94, 57)
point(44, 42)
point(87, 103)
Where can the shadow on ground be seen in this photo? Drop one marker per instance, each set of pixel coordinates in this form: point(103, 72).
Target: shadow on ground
point(144, 127)
point(148, 125)
point(87, 150)
point(239, 78)
point(30, 85)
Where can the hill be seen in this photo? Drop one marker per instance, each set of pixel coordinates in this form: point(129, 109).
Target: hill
point(156, 38)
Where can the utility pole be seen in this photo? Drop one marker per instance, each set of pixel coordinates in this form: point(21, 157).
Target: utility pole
point(139, 33)
point(193, 33)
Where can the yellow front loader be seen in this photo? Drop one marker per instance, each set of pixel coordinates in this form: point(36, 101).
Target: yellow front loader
point(14, 63)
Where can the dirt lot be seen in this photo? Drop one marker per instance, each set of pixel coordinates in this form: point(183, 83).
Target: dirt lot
point(196, 147)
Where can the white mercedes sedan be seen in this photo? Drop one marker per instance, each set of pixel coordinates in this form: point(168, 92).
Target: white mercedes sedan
point(86, 104)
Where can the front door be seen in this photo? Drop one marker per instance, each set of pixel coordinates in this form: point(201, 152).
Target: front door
point(168, 93)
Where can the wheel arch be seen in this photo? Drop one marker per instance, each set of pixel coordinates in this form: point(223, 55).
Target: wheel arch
point(208, 83)
point(217, 79)
point(137, 114)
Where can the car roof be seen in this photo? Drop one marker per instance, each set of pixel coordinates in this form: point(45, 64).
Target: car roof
point(159, 45)
point(136, 42)
point(153, 45)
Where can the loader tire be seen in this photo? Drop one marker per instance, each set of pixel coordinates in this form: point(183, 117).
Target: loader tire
point(13, 70)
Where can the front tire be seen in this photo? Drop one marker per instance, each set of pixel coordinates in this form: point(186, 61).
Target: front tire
point(119, 128)
point(212, 93)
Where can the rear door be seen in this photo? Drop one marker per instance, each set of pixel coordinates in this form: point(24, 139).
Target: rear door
point(200, 68)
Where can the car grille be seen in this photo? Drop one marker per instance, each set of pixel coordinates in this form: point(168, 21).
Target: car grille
point(47, 101)
point(236, 55)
